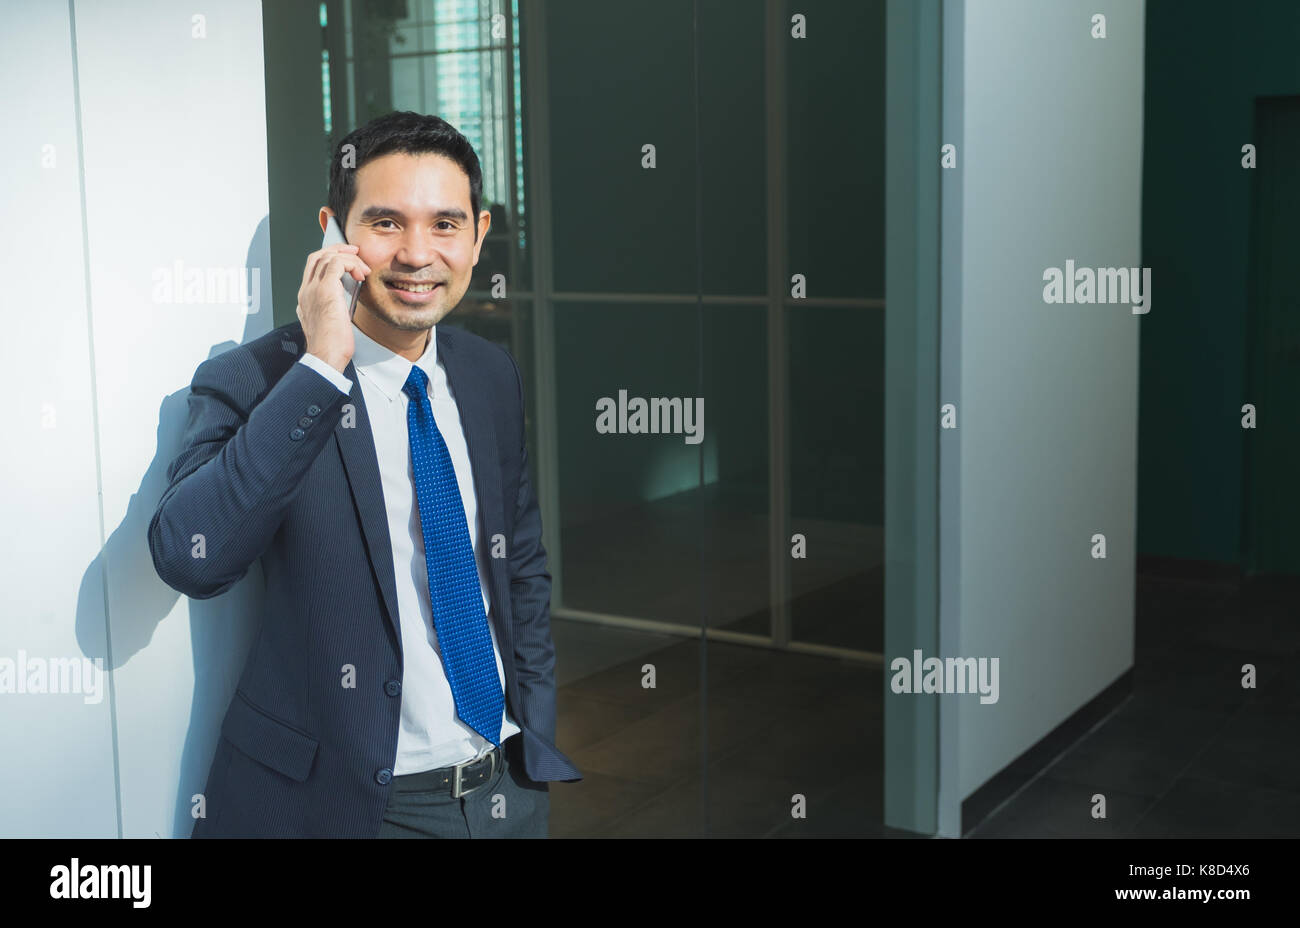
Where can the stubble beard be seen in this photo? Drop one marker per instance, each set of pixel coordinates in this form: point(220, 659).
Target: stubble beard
point(403, 318)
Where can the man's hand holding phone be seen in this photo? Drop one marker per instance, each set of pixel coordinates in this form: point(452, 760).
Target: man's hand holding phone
point(324, 303)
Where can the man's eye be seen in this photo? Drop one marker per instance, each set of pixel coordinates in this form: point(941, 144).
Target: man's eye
point(384, 220)
point(446, 222)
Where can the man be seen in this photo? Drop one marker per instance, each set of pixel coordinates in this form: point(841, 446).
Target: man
point(377, 466)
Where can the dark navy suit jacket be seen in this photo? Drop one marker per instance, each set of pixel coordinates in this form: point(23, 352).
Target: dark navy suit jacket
point(279, 464)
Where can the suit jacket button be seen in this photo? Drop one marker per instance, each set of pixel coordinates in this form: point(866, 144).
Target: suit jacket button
point(393, 687)
point(297, 434)
point(305, 421)
point(383, 776)
point(313, 410)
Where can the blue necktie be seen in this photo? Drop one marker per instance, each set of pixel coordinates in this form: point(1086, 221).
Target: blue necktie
point(454, 590)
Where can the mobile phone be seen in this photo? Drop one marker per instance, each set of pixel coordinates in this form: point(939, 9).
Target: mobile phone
point(334, 236)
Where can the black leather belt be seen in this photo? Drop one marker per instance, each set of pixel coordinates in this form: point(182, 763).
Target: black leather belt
point(458, 778)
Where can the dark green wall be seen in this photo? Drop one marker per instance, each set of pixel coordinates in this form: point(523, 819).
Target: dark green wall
point(1205, 64)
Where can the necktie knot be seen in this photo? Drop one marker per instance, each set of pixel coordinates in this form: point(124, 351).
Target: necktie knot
point(416, 385)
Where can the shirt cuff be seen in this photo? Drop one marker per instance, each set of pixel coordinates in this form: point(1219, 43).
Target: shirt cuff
point(326, 371)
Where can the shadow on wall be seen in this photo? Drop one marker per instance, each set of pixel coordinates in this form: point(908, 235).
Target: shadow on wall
point(122, 583)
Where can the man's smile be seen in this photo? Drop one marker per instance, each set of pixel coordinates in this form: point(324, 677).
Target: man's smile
point(412, 291)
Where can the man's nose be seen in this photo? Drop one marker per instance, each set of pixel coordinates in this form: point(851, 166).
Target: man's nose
point(416, 249)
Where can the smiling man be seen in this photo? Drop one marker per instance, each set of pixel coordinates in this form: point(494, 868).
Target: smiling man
point(402, 681)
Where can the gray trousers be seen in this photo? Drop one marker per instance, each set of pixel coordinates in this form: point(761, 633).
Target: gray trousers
point(509, 805)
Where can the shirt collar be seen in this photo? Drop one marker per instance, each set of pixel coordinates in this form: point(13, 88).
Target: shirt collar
point(388, 370)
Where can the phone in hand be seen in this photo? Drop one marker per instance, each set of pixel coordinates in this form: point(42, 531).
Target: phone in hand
point(334, 236)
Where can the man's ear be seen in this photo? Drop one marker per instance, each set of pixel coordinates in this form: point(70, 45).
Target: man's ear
point(324, 217)
point(484, 223)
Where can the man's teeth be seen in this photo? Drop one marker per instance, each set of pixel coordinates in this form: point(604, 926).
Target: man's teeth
point(414, 288)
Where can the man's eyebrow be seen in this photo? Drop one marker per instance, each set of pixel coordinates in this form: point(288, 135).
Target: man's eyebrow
point(387, 212)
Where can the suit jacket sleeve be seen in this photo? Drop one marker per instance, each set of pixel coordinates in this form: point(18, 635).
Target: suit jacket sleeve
point(245, 453)
point(530, 597)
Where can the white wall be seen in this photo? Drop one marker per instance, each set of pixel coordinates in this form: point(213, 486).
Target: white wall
point(1049, 148)
point(157, 128)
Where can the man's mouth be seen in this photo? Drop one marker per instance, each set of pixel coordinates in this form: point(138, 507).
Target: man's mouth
point(411, 286)
point(413, 292)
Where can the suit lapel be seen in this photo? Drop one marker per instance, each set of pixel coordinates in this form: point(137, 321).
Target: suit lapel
point(476, 417)
point(357, 447)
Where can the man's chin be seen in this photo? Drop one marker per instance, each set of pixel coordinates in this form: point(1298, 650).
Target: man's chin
point(407, 318)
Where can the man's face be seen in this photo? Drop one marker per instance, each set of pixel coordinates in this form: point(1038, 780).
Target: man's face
point(411, 224)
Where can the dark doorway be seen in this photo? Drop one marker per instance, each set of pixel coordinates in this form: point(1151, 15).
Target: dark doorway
point(1271, 510)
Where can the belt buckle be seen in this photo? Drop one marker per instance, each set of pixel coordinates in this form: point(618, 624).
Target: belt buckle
point(456, 791)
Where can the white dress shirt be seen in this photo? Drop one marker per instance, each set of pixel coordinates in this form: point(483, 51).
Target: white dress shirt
point(431, 734)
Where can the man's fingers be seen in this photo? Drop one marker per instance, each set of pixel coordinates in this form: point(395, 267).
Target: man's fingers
point(335, 266)
point(312, 271)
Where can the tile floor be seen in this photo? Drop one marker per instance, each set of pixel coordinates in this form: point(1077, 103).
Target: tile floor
point(1190, 753)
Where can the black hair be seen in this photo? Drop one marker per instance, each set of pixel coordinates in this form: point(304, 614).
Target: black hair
point(408, 132)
